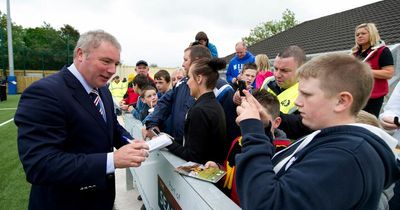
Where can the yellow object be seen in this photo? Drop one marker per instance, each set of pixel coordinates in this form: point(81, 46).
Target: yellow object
point(118, 90)
point(131, 77)
point(286, 98)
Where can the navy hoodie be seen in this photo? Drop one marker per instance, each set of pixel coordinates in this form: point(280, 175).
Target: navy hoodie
point(344, 167)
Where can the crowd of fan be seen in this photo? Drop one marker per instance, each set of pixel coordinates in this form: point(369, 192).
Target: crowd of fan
point(293, 135)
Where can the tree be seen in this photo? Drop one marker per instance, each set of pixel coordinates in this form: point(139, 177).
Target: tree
point(70, 37)
point(270, 28)
point(38, 48)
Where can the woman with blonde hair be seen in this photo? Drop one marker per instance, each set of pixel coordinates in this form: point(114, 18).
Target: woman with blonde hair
point(371, 49)
point(263, 69)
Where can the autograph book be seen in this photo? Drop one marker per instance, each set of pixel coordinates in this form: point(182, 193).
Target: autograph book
point(198, 171)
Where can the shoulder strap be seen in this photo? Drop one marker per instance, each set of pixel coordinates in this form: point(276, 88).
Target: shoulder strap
point(288, 160)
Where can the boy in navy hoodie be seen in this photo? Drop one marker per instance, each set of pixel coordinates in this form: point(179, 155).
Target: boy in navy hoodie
point(341, 165)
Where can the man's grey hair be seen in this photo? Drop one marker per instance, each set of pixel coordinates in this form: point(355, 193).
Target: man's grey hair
point(93, 39)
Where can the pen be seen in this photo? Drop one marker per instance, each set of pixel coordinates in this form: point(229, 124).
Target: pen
point(127, 139)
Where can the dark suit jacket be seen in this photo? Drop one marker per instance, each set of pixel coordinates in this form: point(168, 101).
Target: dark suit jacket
point(63, 143)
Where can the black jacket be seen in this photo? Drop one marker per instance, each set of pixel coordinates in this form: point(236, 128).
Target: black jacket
point(204, 133)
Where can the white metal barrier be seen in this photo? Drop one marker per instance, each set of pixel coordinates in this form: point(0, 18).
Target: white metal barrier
point(163, 188)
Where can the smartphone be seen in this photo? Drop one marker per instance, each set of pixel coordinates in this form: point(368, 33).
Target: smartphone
point(155, 131)
point(242, 86)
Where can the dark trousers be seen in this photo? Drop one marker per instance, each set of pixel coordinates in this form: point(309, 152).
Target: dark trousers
point(374, 106)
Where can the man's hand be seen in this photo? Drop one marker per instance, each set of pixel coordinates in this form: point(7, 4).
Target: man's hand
point(249, 108)
point(387, 123)
point(131, 155)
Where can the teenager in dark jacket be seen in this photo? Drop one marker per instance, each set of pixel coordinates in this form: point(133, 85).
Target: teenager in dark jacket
point(342, 165)
point(205, 128)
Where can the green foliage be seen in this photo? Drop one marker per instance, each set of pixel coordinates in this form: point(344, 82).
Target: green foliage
point(14, 193)
point(38, 48)
point(270, 28)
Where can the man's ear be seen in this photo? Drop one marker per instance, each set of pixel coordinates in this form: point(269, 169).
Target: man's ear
point(79, 54)
point(344, 101)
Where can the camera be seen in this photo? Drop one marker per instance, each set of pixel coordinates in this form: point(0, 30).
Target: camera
point(242, 86)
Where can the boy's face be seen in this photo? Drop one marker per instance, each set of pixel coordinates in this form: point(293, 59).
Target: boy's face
point(316, 109)
point(249, 75)
point(162, 85)
point(150, 98)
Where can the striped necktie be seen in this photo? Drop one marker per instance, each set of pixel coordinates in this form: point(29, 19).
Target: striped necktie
point(94, 94)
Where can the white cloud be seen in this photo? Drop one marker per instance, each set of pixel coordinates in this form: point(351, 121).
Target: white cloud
point(159, 30)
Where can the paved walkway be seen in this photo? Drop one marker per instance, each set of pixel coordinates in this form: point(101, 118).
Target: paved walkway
point(125, 199)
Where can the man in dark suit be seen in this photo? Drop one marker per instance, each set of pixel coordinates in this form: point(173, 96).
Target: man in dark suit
point(66, 135)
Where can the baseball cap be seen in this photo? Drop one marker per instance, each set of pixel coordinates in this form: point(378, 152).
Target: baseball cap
point(141, 62)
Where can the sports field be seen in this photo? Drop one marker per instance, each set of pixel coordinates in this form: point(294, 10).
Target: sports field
point(14, 189)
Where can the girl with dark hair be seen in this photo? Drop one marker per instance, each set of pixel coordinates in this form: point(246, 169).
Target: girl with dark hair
point(201, 38)
point(205, 127)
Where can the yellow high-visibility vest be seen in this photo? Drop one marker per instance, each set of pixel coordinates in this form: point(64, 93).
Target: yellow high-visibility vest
point(286, 98)
point(118, 90)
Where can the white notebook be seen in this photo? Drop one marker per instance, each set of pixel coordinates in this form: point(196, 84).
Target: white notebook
point(159, 142)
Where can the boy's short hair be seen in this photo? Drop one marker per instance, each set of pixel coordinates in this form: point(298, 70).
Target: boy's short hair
point(249, 66)
point(163, 74)
point(340, 72)
point(141, 81)
point(148, 87)
point(269, 101)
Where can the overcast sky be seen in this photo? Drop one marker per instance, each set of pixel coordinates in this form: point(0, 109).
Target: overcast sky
point(159, 30)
